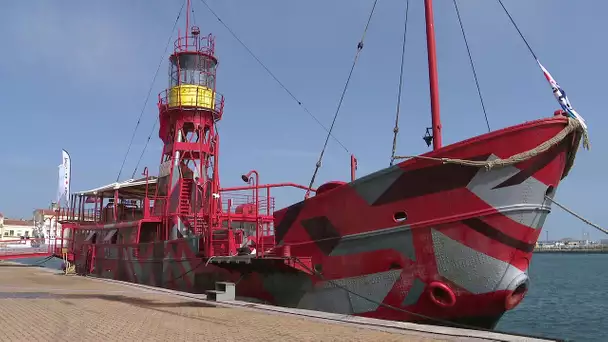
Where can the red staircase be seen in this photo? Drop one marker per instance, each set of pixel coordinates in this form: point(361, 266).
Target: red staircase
point(185, 192)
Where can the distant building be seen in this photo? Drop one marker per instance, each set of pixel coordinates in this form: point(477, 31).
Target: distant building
point(12, 229)
point(46, 224)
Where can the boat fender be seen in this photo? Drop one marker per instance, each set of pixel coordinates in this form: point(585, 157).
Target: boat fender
point(441, 294)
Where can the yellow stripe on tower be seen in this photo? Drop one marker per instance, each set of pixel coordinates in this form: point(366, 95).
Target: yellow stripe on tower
point(190, 95)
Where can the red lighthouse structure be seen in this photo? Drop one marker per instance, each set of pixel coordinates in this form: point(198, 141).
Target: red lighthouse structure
point(187, 194)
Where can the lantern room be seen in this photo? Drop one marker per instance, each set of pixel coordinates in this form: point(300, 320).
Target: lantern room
point(192, 72)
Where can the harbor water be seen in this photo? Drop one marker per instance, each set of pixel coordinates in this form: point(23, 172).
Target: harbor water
point(566, 299)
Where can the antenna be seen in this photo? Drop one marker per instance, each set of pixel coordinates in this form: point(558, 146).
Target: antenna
point(187, 21)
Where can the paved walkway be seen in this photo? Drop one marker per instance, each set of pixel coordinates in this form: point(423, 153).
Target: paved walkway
point(40, 305)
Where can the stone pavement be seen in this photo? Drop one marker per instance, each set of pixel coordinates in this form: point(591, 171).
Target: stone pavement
point(41, 305)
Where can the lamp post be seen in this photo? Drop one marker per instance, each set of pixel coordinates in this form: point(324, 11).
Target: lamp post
point(245, 179)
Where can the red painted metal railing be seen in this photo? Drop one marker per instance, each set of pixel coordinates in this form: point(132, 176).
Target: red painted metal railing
point(104, 215)
point(204, 44)
point(23, 248)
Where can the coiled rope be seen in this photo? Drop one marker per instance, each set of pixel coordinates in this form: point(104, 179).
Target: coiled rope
point(573, 126)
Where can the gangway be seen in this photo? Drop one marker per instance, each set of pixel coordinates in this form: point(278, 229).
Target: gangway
point(24, 248)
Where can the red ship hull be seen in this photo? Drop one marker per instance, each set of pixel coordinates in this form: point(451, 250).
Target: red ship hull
point(421, 241)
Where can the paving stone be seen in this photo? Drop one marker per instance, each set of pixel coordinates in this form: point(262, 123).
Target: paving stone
point(37, 305)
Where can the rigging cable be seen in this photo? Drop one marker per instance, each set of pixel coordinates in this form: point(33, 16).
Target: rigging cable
point(518, 30)
point(273, 76)
point(151, 86)
point(396, 129)
point(333, 122)
point(145, 147)
point(149, 92)
point(143, 151)
point(605, 231)
point(558, 92)
point(464, 36)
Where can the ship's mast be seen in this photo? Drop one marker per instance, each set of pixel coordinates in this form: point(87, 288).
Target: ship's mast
point(433, 81)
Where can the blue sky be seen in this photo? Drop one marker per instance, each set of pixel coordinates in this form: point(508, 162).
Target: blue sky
point(75, 74)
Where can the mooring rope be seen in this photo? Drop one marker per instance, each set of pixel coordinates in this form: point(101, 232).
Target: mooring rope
point(605, 231)
point(573, 126)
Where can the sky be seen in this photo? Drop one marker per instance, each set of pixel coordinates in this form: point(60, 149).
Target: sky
point(74, 75)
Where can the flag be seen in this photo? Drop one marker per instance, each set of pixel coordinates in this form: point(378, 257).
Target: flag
point(564, 102)
point(63, 189)
point(60, 185)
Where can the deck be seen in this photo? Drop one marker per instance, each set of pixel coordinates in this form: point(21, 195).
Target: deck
point(38, 304)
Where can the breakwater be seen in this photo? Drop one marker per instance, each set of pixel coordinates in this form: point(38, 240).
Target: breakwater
point(582, 249)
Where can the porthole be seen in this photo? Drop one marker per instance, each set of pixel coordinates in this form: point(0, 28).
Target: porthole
point(400, 216)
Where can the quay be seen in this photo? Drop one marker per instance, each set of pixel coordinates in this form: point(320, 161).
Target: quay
point(574, 250)
point(39, 304)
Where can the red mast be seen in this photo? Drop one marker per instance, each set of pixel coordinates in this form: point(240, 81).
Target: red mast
point(433, 81)
point(188, 184)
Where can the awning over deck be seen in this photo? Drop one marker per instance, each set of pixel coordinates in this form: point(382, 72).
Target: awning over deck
point(135, 187)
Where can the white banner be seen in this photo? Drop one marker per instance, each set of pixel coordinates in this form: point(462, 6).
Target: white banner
point(60, 185)
point(63, 190)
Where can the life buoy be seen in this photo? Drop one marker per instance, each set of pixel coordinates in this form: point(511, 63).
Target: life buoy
point(441, 294)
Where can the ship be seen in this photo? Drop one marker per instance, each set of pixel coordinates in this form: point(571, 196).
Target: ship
point(445, 237)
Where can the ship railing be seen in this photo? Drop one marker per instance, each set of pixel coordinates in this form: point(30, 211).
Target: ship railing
point(26, 247)
point(125, 213)
point(76, 215)
point(260, 225)
point(156, 206)
point(240, 202)
point(21, 241)
point(201, 44)
point(243, 195)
